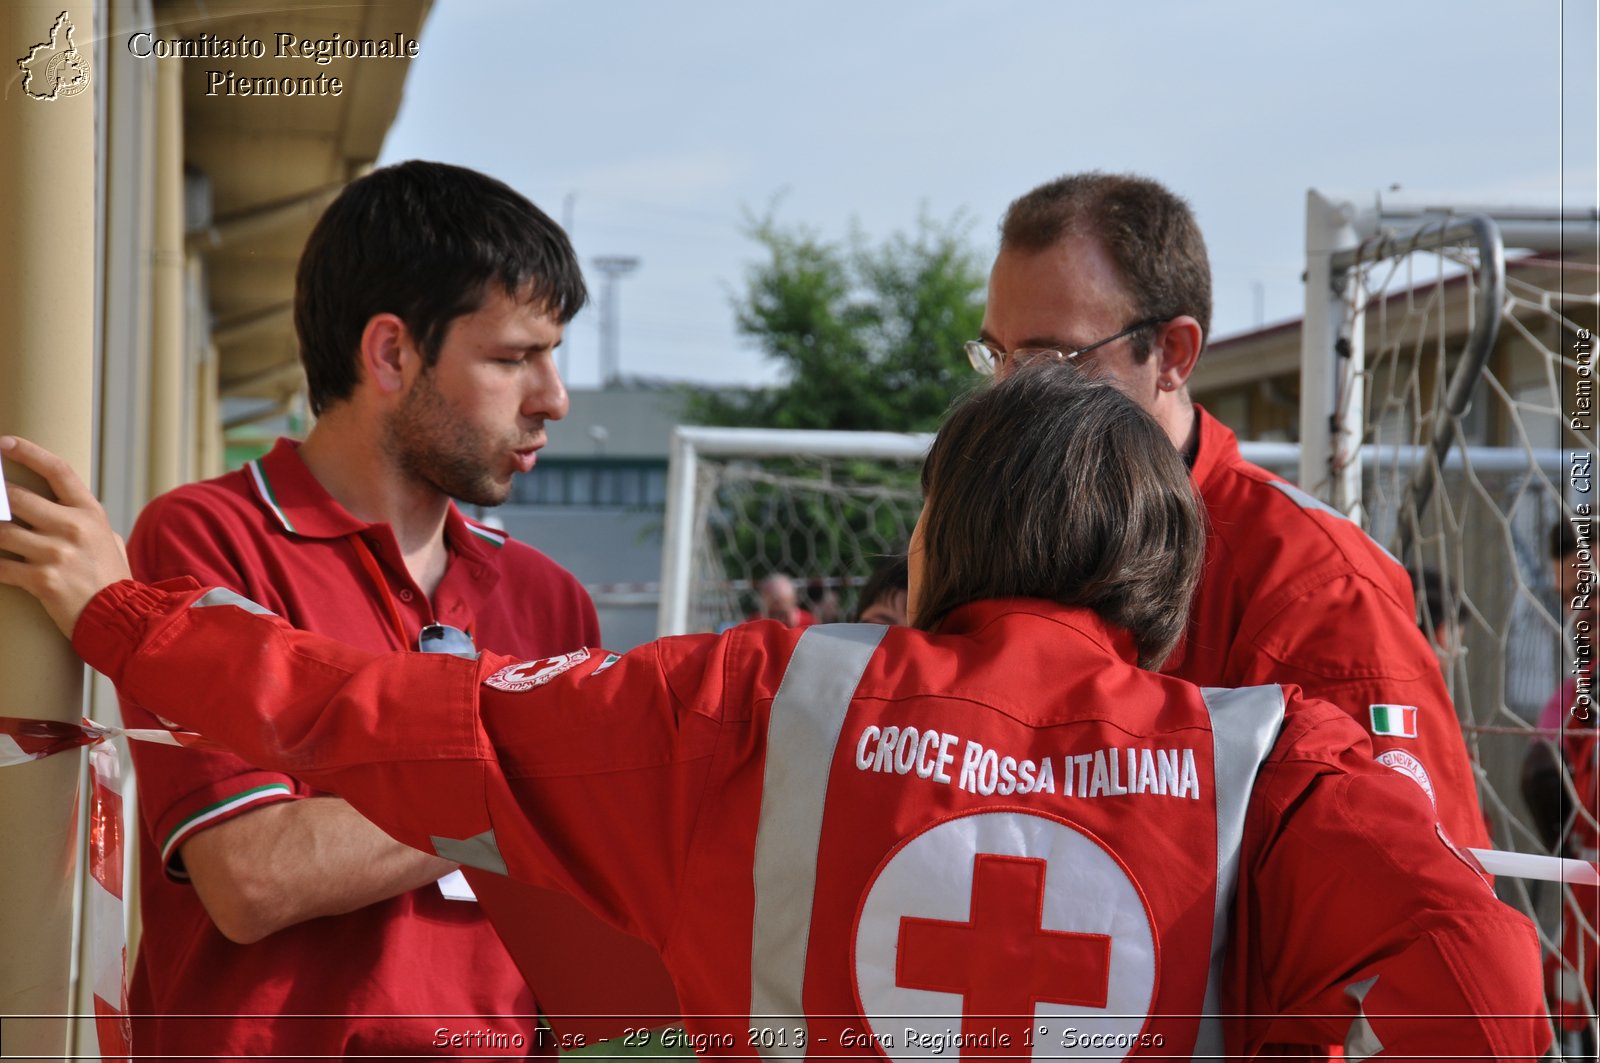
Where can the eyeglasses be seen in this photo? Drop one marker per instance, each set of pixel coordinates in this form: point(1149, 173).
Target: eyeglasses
point(986, 360)
point(442, 638)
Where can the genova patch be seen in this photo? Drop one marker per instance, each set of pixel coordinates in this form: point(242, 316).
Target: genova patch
point(1410, 767)
point(515, 678)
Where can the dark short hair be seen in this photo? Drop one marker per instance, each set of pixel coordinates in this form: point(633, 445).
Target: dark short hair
point(1050, 485)
point(891, 575)
point(1149, 232)
point(422, 241)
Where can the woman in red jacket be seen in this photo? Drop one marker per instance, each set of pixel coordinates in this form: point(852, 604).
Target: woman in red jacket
point(997, 833)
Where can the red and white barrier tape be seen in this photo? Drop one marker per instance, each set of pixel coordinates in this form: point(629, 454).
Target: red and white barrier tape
point(23, 740)
point(109, 953)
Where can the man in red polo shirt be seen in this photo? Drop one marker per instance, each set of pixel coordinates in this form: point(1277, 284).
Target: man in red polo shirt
point(429, 303)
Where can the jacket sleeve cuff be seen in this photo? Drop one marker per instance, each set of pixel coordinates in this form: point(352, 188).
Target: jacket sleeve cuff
point(111, 626)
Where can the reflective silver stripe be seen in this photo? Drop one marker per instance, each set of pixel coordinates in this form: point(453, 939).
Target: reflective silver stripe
point(1362, 1041)
point(802, 733)
point(223, 596)
point(480, 851)
point(1310, 501)
point(1244, 726)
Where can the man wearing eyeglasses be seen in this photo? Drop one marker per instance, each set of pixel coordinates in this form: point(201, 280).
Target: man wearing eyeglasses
point(1110, 272)
point(278, 922)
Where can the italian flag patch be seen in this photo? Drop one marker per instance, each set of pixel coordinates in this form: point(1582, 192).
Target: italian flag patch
point(1399, 721)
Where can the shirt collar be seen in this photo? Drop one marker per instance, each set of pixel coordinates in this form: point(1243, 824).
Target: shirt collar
point(300, 505)
point(294, 497)
point(1214, 442)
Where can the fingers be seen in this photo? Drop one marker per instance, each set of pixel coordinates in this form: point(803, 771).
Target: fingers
point(14, 573)
point(32, 508)
point(73, 501)
point(22, 541)
point(68, 488)
point(20, 574)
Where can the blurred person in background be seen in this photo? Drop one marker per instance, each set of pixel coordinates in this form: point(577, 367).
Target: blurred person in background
point(883, 596)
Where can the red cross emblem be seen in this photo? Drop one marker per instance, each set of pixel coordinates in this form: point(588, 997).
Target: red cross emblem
point(1042, 931)
point(1001, 960)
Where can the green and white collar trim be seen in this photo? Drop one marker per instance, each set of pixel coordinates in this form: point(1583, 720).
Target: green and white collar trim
point(258, 475)
point(275, 791)
point(489, 535)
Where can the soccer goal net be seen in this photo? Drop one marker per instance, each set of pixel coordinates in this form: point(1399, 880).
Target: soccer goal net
point(1446, 403)
point(743, 504)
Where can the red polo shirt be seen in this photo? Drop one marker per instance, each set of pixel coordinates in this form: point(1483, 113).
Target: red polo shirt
point(386, 979)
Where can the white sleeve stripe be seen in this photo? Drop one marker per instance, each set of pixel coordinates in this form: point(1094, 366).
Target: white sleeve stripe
point(186, 829)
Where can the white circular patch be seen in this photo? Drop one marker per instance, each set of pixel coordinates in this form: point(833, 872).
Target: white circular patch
point(1051, 888)
point(515, 678)
point(1410, 767)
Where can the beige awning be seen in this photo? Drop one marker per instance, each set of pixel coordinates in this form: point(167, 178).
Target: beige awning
point(273, 161)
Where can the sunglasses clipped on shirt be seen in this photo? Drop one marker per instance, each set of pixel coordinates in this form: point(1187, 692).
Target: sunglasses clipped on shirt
point(442, 638)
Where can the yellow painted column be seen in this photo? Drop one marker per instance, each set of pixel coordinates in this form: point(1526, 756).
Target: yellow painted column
point(170, 410)
point(47, 313)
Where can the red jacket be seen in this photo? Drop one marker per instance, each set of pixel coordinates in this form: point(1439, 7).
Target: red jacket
point(1295, 592)
point(1005, 828)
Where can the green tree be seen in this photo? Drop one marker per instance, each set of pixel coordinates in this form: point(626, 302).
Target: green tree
point(867, 336)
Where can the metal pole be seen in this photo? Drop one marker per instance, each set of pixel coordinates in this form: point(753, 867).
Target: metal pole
point(1481, 231)
point(614, 267)
point(1571, 230)
point(47, 314)
point(169, 465)
point(1328, 353)
point(677, 537)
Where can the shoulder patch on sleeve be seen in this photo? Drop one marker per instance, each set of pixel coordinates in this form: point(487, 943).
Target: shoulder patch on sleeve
point(1410, 767)
point(515, 678)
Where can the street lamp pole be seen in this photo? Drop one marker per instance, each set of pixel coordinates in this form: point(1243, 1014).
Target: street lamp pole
point(613, 268)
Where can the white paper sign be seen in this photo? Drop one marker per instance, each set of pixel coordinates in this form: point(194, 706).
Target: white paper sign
point(5, 503)
point(454, 887)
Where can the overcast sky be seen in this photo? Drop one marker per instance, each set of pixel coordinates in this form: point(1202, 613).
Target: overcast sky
point(655, 128)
